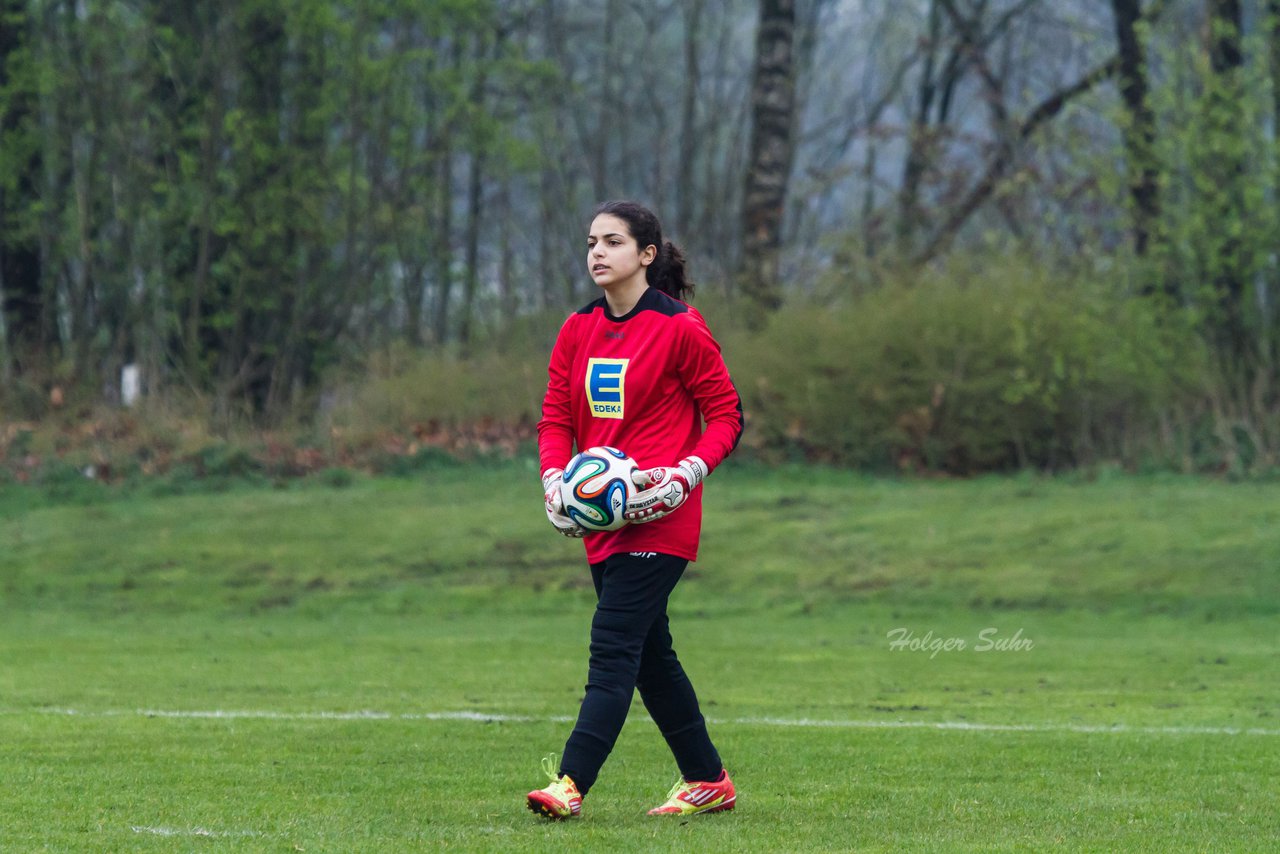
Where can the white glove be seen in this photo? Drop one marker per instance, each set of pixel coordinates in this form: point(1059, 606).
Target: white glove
point(663, 489)
point(551, 479)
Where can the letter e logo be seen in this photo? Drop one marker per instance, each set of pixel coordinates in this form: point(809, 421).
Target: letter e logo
point(605, 387)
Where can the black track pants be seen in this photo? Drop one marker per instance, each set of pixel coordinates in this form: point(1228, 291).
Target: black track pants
point(631, 648)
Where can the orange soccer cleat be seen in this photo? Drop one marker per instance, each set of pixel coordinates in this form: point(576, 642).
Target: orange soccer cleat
point(560, 799)
point(691, 798)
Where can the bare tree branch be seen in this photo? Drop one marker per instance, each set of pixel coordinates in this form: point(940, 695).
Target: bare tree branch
point(1002, 160)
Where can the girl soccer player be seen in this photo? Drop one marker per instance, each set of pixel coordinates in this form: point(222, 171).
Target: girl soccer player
point(638, 370)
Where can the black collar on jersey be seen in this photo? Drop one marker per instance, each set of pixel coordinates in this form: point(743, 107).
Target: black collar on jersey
point(651, 300)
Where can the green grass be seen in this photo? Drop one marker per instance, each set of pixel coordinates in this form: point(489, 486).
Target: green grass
point(1145, 715)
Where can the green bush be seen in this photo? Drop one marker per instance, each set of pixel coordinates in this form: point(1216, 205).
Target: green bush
point(403, 389)
point(225, 459)
point(967, 371)
point(336, 477)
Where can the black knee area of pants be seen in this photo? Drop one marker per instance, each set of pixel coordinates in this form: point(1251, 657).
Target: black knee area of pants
point(660, 670)
point(615, 660)
point(616, 633)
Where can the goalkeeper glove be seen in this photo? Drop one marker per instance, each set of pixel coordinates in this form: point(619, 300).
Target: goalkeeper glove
point(554, 501)
point(663, 489)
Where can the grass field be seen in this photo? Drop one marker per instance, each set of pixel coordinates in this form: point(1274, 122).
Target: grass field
point(379, 667)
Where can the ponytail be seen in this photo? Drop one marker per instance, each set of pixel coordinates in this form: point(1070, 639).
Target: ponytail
point(666, 273)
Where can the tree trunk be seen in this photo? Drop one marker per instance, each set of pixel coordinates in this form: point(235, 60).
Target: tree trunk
point(920, 139)
point(211, 149)
point(605, 129)
point(688, 118)
point(1226, 209)
point(769, 162)
point(22, 303)
point(471, 276)
point(1272, 23)
point(548, 251)
point(414, 291)
point(1140, 127)
point(869, 225)
point(506, 259)
point(444, 242)
point(1271, 284)
point(485, 54)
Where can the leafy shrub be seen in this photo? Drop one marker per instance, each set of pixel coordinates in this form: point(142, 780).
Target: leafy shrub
point(400, 389)
point(407, 411)
point(411, 465)
point(966, 372)
point(224, 459)
point(337, 477)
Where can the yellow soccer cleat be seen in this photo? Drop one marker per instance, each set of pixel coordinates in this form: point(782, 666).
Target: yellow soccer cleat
point(558, 800)
point(691, 798)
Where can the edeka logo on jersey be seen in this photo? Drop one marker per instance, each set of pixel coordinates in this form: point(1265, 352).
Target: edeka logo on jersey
point(604, 386)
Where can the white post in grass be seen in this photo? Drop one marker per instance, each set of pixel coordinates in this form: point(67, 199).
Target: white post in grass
point(130, 384)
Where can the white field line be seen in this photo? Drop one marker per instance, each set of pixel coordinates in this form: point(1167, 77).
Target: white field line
point(193, 831)
point(487, 717)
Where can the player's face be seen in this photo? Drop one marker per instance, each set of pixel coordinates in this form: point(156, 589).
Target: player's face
point(613, 258)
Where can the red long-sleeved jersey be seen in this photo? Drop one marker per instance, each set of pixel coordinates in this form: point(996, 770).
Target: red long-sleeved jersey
point(642, 383)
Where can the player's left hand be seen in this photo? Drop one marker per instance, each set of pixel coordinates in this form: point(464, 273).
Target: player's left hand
point(663, 489)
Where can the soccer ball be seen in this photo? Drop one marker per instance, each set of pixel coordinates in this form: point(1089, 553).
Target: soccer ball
point(596, 485)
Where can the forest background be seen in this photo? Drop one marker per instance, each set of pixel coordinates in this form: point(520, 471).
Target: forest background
point(282, 236)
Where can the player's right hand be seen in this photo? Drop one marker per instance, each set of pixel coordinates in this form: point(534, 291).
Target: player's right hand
point(554, 502)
